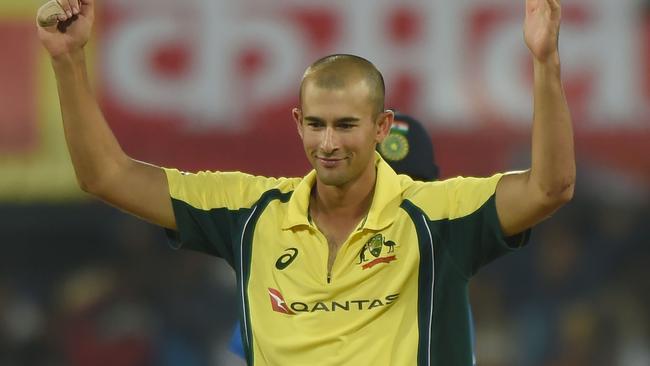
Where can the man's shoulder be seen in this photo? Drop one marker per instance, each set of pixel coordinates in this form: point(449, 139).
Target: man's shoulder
point(451, 198)
point(234, 190)
point(215, 179)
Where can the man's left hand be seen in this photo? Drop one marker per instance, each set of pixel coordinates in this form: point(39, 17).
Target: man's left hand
point(542, 28)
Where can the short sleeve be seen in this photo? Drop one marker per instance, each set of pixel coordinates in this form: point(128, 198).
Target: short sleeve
point(474, 237)
point(208, 207)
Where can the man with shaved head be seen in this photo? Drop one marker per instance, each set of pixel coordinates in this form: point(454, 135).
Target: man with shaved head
point(339, 71)
point(352, 264)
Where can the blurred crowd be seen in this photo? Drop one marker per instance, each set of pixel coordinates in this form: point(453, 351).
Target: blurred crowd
point(87, 285)
point(579, 294)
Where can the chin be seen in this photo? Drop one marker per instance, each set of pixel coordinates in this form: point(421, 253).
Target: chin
point(336, 180)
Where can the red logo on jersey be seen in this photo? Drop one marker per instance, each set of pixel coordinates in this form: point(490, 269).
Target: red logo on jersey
point(277, 302)
point(379, 260)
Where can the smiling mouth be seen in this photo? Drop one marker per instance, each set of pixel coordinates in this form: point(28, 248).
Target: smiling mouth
point(329, 162)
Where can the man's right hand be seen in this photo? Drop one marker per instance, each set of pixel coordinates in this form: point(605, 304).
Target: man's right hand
point(72, 32)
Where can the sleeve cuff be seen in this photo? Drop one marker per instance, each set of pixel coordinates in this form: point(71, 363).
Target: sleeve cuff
point(173, 239)
point(518, 240)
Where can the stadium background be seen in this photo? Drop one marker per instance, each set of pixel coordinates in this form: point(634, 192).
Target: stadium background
point(207, 84)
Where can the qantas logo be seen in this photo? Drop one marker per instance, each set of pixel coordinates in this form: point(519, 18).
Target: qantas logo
point(278, 304)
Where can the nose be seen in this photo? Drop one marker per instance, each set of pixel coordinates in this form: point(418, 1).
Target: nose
point(328, 141)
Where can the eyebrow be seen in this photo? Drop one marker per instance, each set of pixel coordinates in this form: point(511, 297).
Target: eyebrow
point(340, 120)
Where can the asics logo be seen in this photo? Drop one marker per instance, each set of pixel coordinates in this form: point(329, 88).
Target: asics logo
point(285, 260)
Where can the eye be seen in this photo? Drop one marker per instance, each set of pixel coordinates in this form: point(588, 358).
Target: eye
point(346, 126)
point(314, 124)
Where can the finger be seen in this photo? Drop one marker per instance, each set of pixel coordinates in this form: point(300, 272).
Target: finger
point(556, 8)
point(74, 6)
point(67, 8)
point(554, 4)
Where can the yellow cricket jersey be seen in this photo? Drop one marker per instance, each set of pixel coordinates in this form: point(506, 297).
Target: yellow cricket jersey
point(397, 293)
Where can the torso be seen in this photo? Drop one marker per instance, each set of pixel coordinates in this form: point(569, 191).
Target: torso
point(398, 288)
point(337, 227)
point(336, 232)
point(363, 312)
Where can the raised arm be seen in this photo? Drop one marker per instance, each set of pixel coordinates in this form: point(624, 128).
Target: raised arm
point(101, 166)
point(524, 199)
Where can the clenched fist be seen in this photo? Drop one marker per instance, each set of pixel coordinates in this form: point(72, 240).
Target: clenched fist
point(72, 29)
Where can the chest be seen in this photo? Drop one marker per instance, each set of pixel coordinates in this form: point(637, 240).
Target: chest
point(373, 287)
point(335, 230)
point(301, 258)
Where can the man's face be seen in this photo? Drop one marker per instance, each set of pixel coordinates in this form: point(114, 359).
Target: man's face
point(338, 132)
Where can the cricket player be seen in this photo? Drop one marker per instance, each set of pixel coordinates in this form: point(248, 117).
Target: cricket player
point(408, 150)
point(351, 264)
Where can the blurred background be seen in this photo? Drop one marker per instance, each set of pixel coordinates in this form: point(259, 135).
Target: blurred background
point(208, 84)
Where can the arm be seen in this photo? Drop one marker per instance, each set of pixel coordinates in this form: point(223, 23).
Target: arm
point(525, 199)
point(101, 166)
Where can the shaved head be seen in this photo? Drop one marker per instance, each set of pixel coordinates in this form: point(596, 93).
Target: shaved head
point(341, 71)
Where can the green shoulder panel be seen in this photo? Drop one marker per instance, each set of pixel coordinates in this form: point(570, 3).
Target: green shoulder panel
point(451, 250)
point(210, 207)
point(444, 322)
point(206, 231)
point(243, 249)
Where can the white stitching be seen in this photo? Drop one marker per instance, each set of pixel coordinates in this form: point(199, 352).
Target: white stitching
point(241, 276)
point(432, 283)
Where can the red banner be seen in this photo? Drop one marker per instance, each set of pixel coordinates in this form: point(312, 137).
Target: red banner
point(209, 85)
point(18, 103)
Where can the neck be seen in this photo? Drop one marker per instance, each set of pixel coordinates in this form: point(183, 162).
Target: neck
point(350, 200)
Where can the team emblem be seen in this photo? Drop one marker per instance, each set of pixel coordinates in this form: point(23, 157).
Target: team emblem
point(374, 246)
point(395, 147)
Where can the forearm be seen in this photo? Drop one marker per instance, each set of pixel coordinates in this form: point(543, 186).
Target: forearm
point(93, 148)
point(553, 157)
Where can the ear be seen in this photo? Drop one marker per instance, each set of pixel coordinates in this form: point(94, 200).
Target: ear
point(384, 123)
point(296, 113)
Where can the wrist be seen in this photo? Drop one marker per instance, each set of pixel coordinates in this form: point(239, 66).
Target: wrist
point(68, 58)
point(70, 66)
point(552, 60)
point(547, 70)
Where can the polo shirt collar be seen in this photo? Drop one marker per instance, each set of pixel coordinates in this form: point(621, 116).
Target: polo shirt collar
point(298, 206)
point(384, 207)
